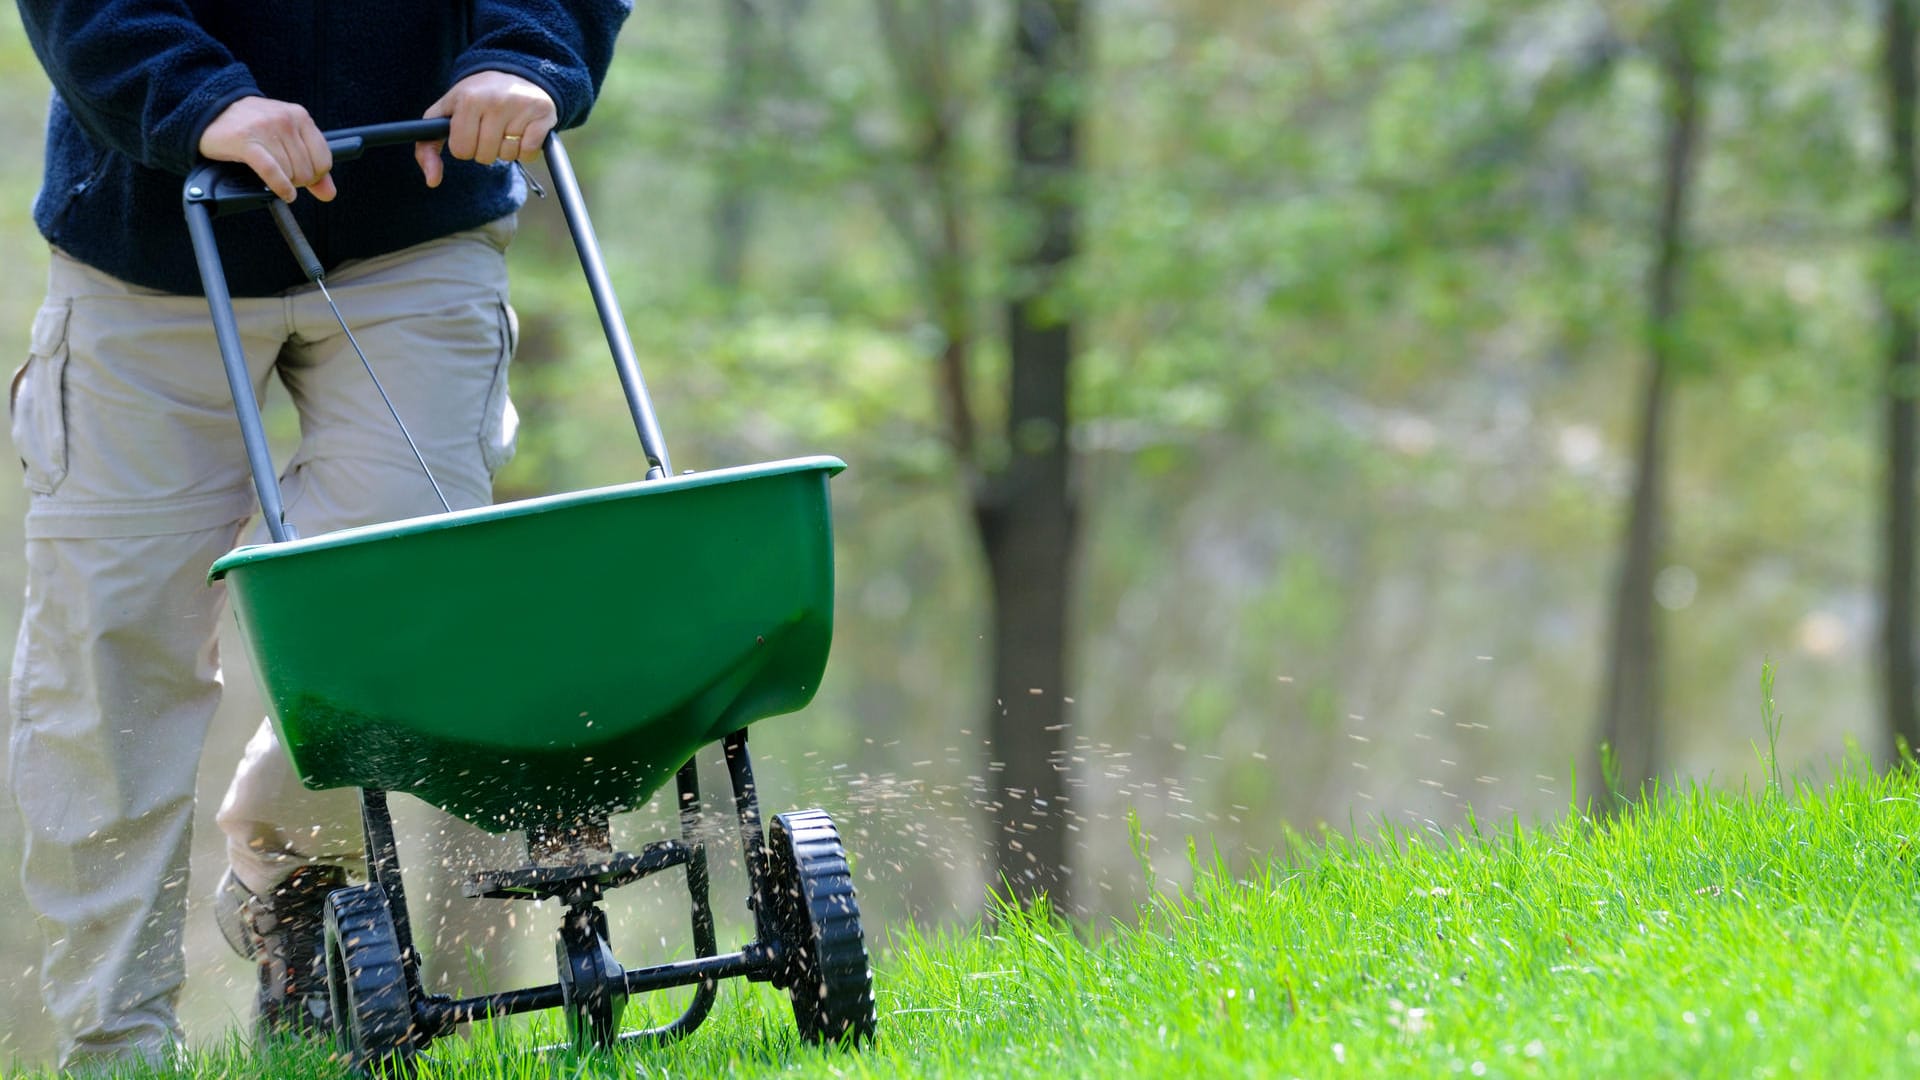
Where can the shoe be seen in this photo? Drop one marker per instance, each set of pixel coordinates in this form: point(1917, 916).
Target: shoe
point(283, 932)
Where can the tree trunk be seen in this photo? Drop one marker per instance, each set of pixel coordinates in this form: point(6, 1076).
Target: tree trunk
point(1903, 379)
point(733, 198)
point(1630, 720)
point(1024, 509)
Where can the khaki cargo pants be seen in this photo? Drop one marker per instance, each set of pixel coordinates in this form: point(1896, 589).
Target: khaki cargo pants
point(138, 481)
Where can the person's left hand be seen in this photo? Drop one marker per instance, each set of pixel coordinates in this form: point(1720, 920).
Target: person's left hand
point(493, 116)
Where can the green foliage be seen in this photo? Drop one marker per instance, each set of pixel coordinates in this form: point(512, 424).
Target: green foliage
point(1770, 723)
point(1610, 777)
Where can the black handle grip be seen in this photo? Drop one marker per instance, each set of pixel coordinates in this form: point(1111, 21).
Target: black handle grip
point(348, 143)
point(228, 187)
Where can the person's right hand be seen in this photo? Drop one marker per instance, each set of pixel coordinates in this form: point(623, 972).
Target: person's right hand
point(278, 140)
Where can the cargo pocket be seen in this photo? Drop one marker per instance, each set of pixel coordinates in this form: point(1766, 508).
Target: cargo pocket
point(38, 405)
point(500, 423)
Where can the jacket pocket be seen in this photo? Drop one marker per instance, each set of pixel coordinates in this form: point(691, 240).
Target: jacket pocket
point(500, 423)
point(38, 402)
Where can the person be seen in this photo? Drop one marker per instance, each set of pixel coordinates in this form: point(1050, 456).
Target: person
point(133, 460)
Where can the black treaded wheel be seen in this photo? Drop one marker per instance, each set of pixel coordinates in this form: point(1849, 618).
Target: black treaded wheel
point(367, 981)
point(818, 918)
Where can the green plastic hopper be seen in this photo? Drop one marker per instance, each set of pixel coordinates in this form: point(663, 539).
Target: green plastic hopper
point(543, 661)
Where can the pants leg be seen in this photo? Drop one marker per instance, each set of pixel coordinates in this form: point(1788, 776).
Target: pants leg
point(436, 325)
point(136, 479)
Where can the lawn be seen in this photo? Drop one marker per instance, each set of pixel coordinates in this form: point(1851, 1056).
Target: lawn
point(1705, 933)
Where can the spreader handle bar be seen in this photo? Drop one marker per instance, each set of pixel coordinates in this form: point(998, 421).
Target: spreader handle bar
point(230, 187)
point(218, 188)
point(652, 442)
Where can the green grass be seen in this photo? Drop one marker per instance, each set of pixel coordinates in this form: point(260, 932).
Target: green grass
point(1703, 934)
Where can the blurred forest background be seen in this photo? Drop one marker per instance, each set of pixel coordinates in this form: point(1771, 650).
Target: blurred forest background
point(1452, 388)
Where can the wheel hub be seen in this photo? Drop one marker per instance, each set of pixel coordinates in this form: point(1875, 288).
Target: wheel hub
point(593, 985)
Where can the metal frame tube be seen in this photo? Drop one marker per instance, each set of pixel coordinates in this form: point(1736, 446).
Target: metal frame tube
point(706, 970)
point(704, 973)
point(567, 186)
point(705, 945)
point(226, 333)
point(383, 868)
point(753, 837)
point(443, 1015)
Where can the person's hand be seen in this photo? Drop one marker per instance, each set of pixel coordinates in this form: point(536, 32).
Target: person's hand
point(278, 140)
point(493, 116)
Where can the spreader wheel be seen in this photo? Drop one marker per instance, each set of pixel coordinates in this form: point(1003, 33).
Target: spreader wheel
point(819, 924)
point(367, 981)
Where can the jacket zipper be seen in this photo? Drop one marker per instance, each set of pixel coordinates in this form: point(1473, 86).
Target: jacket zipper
point(93, 176)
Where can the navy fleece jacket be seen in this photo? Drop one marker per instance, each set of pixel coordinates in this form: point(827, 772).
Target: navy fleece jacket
point(136, 82)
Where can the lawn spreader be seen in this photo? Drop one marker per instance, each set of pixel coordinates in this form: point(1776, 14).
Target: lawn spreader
point(539, 666)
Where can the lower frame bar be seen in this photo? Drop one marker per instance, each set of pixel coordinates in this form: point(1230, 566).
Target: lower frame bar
point(751, 960)
point(747, 961)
